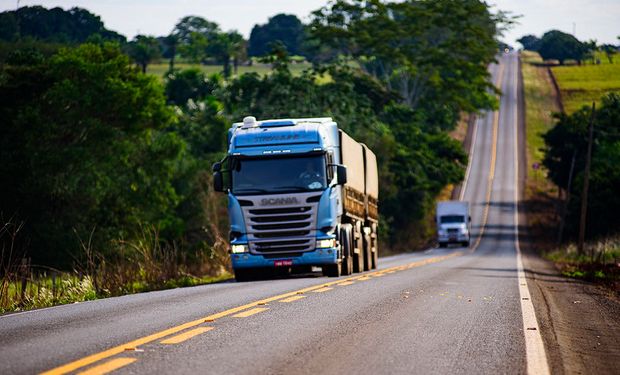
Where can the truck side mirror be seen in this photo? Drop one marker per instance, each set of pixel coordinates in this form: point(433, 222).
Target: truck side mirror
point(218, 181)
point(470, 219)
point(341, 172)
point(217, 166)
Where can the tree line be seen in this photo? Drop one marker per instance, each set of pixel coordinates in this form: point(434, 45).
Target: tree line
point(94, 151)
point(193, 38)
point(558, 45)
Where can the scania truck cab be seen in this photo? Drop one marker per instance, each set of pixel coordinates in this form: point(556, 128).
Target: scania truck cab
point(301, 194)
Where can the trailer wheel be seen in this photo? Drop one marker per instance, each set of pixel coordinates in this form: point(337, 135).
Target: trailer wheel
point(332, 270)
point(368, 255)
point(375, 255)
point(347, 249)
point(360, 257)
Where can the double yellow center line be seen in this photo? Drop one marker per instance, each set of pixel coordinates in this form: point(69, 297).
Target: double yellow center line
point(240, 311)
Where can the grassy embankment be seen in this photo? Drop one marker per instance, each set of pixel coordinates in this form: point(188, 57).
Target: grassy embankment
point(579, 85)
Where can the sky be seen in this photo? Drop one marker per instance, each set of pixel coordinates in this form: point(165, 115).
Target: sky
point(589, 19)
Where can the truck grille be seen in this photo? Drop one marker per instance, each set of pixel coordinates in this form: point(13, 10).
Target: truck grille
point(281, 230)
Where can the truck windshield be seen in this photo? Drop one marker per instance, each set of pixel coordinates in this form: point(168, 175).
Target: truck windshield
point(278, 175)
point(448, 219)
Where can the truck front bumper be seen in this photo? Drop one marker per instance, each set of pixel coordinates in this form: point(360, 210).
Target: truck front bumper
point(317, 257)
point(453, 239)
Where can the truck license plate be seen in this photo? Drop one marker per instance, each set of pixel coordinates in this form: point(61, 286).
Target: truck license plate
point(283, 263)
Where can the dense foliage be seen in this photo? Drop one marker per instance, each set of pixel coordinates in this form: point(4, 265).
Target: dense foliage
point(565, 147)
point(434, 54)
point(75, 25)
point(85, 148)
point(558, 45)
point(284, 28)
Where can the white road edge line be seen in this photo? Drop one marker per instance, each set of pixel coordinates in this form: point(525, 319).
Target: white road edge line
point(536, 357)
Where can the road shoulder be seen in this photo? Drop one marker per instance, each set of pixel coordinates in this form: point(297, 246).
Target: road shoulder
point(580, 322)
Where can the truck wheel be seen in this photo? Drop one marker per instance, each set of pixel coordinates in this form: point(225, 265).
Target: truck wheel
point(367, 252)
point(332, 270)
point(244, 274)
point(360, 258)
point(375, 255)
point(443, 244)
point(466, 243)
point(347, 250)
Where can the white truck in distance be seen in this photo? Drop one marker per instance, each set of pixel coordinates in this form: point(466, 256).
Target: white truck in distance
point(453, 223)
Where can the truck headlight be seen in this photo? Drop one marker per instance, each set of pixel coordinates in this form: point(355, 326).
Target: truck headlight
point(326, 243)
point(238, 249)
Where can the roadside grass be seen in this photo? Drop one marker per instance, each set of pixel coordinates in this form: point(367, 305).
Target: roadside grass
point(583, 84)
point(540, 194)
point(540, 103)
point(600, 263)
point(45, 291)
point(141, 265)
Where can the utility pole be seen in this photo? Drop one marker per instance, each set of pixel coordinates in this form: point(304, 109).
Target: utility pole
point(586, 183)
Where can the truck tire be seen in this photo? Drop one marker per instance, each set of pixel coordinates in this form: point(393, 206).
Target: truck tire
point(347, 250)
point(244, 274)
point(332, 270)
point(443, 244)
point(375, 255)
point(367, 246)
point(360, 258)
point(466, 243)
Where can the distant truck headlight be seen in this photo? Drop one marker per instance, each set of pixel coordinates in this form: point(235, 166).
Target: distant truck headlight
point(323, 244)
point(238, 249)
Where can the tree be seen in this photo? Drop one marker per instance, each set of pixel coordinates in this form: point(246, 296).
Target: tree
point(561, 46)
point(566, 141)
point(75, 25)
point(144, 49)
point(170, 44)
point(85, 148)
point(286, 28)
point(222, 46)
point(433, 53)
point(530, 42)
point(183, 85)
point(610, 50)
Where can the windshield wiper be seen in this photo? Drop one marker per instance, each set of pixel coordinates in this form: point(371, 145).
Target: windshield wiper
point(247, 190)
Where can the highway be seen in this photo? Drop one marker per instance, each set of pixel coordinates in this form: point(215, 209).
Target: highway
point(453, 310)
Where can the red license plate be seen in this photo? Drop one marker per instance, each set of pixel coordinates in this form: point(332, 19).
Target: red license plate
point(283, 263)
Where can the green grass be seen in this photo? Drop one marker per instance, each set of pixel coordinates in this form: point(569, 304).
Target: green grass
point(582, 85)
point(539, 104)
point(68, 288)
point(599, 263)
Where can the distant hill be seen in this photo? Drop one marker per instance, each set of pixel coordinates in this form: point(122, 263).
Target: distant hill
point(55, 25)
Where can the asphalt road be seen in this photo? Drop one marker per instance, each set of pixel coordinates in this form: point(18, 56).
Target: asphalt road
point(451, 310)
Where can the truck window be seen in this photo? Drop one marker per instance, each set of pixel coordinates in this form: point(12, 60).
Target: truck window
point(278, 174)
point(448, 219)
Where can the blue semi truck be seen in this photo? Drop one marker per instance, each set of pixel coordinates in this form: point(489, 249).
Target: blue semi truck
point(301, 194)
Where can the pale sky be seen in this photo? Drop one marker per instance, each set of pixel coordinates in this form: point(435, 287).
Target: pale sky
point(592, 19)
